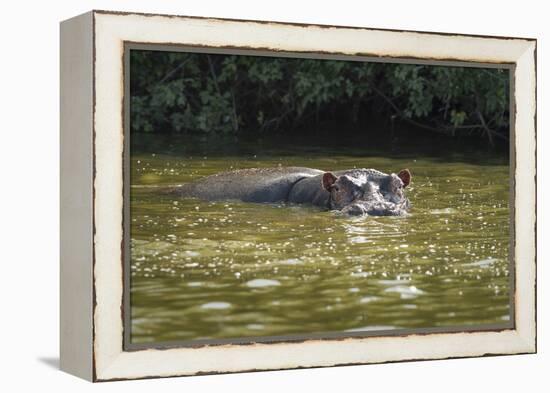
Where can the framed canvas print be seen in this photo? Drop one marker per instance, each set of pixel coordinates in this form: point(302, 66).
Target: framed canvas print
point(245, 195)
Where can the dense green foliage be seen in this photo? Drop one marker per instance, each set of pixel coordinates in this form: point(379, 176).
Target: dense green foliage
point(201, 93)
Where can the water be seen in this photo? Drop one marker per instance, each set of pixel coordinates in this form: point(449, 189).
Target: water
point(214, 270)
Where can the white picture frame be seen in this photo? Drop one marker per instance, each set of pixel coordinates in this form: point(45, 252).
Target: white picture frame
point(92, 193)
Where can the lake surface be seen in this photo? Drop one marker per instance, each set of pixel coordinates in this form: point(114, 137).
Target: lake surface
point(216, 270)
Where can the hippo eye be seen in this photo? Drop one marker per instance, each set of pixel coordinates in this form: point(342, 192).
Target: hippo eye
point(335, 188)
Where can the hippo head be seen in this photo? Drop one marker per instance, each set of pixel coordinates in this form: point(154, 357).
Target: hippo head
point(368, 192)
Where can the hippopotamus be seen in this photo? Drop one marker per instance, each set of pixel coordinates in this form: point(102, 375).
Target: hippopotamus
point(352, 191)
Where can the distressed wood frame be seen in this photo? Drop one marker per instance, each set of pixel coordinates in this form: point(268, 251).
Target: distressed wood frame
point(92, 193)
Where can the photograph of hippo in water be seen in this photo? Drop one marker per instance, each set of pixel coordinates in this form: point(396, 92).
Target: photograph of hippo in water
point(274, 198)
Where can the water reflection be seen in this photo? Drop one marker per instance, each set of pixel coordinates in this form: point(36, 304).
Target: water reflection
point(232, 269)
point(262, 283)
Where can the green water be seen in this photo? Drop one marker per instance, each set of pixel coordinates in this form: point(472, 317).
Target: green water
point(205, 270)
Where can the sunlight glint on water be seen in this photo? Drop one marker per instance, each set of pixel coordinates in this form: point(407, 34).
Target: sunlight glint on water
point(231, 269)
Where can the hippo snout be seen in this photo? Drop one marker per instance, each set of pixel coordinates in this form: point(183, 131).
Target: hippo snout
point(355, 210)
point(379, 208)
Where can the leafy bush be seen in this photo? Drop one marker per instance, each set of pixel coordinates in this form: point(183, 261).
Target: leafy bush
point(205, 93)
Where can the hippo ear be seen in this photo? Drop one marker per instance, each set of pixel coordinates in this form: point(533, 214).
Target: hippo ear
point(405, 176)
point(328, 180)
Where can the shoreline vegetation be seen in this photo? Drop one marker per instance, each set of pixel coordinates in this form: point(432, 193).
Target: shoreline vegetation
point(245, 96)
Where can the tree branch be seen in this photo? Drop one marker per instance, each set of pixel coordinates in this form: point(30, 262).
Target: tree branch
point(400, 113)
point(442, 129)
point(214, 77)
point(172, 72)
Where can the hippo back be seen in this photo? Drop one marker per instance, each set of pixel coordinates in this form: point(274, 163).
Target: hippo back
point(249, 185)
